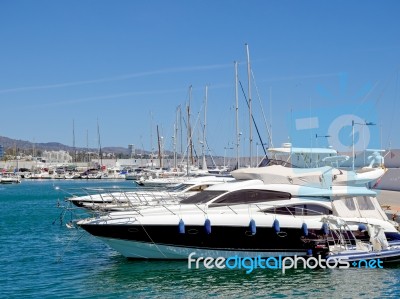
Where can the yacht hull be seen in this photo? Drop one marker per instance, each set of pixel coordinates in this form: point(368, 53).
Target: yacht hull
point(160, 241)
point(166, 242)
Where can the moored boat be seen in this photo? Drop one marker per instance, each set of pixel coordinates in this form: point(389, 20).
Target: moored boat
point(244, 218)
point(133, 198)
point(10, 178)
point(340, 245)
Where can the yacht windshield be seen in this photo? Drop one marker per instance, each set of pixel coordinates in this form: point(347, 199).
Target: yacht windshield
point(202, 197)
point(268, 162)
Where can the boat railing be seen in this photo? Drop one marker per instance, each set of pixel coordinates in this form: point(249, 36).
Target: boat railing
point(266, 208)
point(341, 237)
point(93, 192)
point(101, 199)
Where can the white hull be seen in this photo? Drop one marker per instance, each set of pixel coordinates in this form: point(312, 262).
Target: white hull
point(9, 181)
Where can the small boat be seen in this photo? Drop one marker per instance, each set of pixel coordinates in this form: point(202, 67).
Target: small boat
point(340, 245)
point(9, 178)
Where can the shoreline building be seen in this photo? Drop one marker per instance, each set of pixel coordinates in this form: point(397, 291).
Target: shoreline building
point(56, 157)
point(1, 151)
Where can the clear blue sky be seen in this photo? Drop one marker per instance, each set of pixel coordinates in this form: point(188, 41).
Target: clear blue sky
point(129, 64)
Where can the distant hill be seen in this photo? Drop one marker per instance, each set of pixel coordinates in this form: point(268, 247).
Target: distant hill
point(8, 143)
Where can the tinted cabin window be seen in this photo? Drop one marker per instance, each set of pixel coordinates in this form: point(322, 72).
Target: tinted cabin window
point(349, 202)
point(264, 162)
point(202, 197)
point(365, 203)
point(281, 211)
point(300, 210)
point(311, 210)
point(250, 196)
point(268, 162)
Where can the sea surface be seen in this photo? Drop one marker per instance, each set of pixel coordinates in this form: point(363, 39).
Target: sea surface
point(40, 257)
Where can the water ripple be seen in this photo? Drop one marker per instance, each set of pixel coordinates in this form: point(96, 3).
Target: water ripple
point(42, 259)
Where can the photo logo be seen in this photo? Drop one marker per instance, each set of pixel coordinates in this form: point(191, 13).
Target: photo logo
point(249, 264)
point(336, 125)
point(343, 114)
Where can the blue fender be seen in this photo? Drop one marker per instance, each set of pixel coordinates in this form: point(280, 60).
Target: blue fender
point(252, 226)
point(207, 226)
point(181, 227)
point(304, 229)
point(276, 227)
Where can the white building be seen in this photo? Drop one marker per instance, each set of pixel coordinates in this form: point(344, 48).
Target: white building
point(56, 157)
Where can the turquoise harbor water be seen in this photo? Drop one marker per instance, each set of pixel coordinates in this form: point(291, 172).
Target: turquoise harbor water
point(41, 257)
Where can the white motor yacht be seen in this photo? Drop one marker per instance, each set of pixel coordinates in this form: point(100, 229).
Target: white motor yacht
point(244, 218)
point(112, 200)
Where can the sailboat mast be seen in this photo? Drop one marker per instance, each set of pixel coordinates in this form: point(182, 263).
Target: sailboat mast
point(98, 137)
point(204, 129)
point(174, 137)
point(270, 118)
point(237, 116)
point(181, 130)
point(159, 148)
point(151, 136)
point(87, 145)
point(176, 128)
point(73, 139)
point(250, 111)
point(190, 151)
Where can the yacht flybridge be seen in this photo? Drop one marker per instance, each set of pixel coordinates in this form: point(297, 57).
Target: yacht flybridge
point(322, 177)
